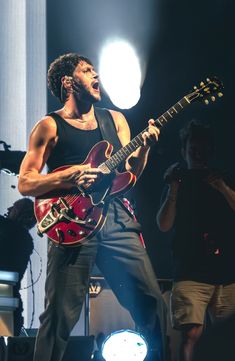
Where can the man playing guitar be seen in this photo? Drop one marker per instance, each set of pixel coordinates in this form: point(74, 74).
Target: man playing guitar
point(63, 139)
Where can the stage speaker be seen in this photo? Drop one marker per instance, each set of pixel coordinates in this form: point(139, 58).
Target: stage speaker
point(80, 348)
point(20, 348)
point(106, 313)
point(2, 349)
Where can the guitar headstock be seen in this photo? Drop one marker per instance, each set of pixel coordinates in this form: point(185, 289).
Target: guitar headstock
point(207, 91)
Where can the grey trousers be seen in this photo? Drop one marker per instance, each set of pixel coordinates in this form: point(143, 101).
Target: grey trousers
point(120, 256)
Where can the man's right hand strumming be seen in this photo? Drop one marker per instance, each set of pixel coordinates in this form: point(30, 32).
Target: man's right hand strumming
point(79, 175)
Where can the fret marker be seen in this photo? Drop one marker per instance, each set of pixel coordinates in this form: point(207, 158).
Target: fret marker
point(180, 105)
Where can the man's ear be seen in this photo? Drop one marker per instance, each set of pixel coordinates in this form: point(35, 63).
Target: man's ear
point(67, 82)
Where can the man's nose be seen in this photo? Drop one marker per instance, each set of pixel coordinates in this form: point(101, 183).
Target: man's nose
point(95, 75)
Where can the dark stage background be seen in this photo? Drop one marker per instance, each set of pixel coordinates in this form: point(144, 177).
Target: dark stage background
point(182, 43)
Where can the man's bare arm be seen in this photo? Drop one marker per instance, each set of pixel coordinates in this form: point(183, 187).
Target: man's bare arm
point(31, 182)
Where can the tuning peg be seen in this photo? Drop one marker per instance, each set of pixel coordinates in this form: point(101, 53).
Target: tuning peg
point(202, 84)
point(213, 98)
point(195, 87)
point(206, 101)
point(220, 94)
point(208, 80)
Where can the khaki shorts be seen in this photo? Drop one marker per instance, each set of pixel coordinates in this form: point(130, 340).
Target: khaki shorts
point(190, 300)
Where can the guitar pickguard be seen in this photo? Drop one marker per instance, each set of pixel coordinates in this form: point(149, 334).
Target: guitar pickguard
point(100, 191)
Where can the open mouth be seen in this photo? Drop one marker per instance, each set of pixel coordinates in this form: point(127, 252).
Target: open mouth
point(95, 85)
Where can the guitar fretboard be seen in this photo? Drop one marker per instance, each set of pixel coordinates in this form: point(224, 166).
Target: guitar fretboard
point(122, 154)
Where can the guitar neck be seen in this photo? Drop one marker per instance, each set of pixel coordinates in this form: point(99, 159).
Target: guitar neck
point(122, 154)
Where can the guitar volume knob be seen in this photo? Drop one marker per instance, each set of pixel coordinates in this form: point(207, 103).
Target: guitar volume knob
point(71, 232)
point(91, 221)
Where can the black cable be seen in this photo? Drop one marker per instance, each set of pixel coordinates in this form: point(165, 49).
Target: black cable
point(33, 294)
point(39, 275)
point(32, 284)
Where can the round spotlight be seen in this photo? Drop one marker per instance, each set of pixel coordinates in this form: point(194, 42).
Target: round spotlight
point(124, 345)
point(120, 73)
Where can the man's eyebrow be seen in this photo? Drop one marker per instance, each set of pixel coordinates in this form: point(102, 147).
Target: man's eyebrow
point(86, 65)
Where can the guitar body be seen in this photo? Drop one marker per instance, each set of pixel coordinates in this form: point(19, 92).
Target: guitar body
point(70, 217)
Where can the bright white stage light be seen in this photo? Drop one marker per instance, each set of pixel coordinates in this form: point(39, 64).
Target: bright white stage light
point(124, 345)
point(120, 74)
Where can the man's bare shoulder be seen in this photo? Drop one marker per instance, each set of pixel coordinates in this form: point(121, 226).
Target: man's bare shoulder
point(119, 119)
point(46, 122)
point(116, 114)
point(45, 125)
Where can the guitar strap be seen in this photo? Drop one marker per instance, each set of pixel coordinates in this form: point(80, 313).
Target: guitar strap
point(107, 127)
point(109, 133)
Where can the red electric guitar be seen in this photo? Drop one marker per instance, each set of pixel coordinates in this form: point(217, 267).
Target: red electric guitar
point(71, 217)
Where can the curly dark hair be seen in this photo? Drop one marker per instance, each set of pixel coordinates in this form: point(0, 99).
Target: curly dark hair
point(196, 130)
point(63, 65)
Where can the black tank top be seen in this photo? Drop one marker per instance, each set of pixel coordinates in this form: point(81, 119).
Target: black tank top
point(73, 144)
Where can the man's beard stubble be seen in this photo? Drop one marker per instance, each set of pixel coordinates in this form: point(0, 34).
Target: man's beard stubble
point(84, 93)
